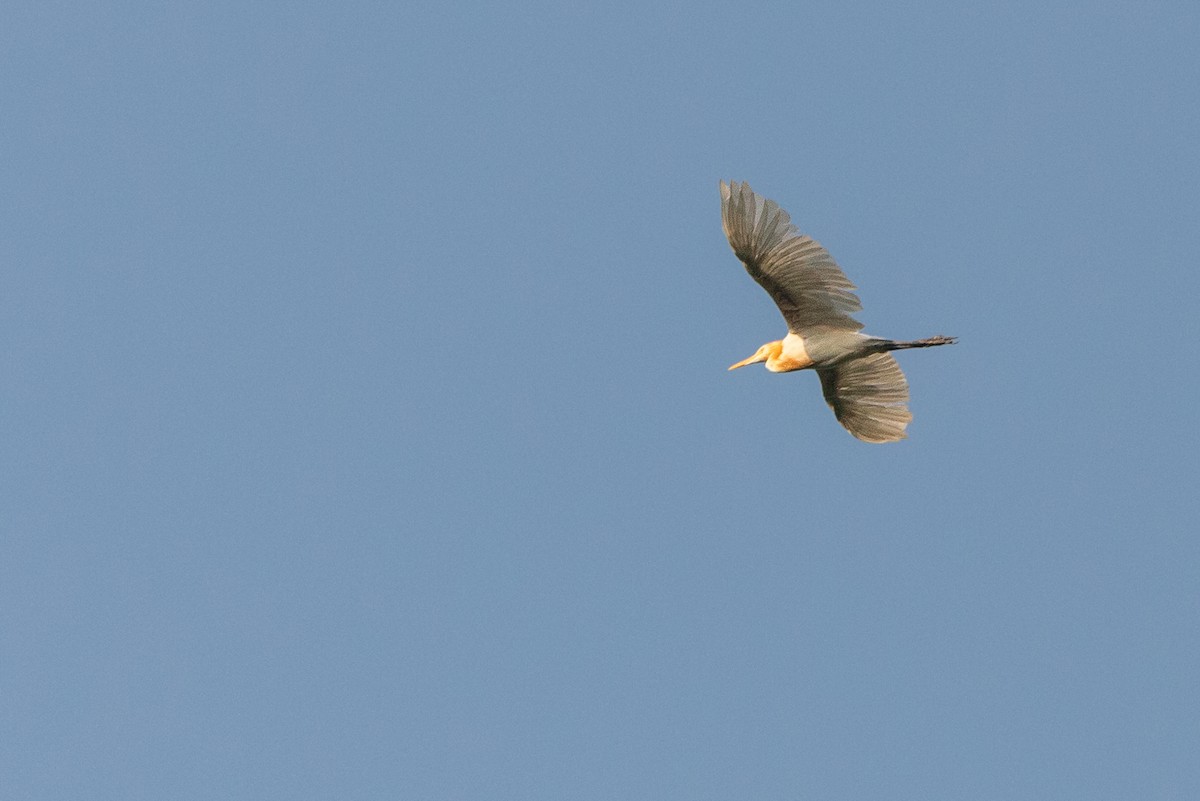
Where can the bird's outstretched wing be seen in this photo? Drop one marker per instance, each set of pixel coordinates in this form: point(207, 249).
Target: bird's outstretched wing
point(868, 395)
point(810, 289)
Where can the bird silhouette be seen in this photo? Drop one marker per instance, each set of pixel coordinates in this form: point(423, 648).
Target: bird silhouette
point(859, 377)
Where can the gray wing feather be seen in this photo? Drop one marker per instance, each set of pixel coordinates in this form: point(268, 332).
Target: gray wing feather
point(868, 396)
point(801, 277)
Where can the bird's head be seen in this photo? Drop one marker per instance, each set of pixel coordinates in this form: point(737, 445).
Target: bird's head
point(761, 355)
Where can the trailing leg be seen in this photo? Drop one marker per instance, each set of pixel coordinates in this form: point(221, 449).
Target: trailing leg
point(930, 342)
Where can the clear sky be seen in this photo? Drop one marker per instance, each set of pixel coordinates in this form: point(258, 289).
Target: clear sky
point(367, 432)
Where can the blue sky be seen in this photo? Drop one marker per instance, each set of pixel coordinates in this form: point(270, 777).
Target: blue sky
point(368, 432)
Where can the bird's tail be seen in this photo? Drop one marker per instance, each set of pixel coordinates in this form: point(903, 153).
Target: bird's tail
point(931, 342)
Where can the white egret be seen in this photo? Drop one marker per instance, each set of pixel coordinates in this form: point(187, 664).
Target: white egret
point(860, 380)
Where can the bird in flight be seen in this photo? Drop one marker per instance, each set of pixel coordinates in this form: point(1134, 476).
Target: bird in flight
point(860, 380)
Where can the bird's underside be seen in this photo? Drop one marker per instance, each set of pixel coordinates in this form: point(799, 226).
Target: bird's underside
point(860, 380)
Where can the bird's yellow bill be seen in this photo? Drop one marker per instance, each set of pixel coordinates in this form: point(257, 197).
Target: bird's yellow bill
point(753, 359)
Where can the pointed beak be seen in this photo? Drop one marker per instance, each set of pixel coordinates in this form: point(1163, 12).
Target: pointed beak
point(744, 362)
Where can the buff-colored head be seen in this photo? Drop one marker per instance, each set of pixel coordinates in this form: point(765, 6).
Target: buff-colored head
point(767, 351)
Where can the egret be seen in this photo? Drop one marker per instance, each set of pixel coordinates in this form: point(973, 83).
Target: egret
point(860, 380)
